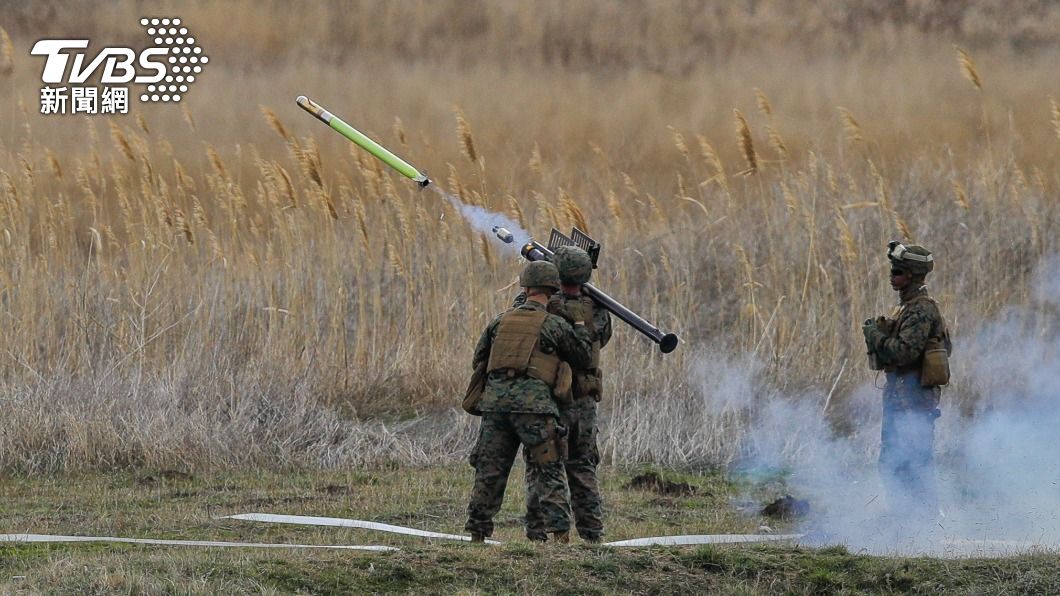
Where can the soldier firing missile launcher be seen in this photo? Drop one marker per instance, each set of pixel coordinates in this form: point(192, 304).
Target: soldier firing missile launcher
point(535, 251)
point(362, 140)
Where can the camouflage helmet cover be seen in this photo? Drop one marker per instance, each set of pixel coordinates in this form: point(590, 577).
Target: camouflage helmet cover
point(574, 264)
point(539, 274)
point(914, 258)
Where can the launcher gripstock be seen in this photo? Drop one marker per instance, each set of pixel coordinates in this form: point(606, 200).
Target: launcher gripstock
point(535, 251)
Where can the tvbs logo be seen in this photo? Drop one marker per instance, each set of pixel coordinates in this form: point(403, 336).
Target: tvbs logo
point(166, 68)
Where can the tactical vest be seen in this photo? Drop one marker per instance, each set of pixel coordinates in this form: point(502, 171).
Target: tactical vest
point(516, 349)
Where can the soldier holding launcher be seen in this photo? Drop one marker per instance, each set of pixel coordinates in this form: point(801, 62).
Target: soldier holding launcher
point(524, 350)
point(576, 268)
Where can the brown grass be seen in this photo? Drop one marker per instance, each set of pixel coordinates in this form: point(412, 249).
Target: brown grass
point(222, 285)
point(968, 68)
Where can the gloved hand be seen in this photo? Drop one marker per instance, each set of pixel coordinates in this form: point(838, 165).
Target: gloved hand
point(570, 310)
point(871, 332)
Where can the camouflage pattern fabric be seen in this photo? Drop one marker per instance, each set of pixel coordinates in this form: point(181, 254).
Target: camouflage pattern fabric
point(500, 435)
point(521, 411)
point(583, 451)
point(580, 467)
point(524, 394)
point(540, 274)
point(574, 265)
point(601, 323)
point(917, 319)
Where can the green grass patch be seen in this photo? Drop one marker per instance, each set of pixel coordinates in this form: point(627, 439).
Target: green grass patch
point(433, 498)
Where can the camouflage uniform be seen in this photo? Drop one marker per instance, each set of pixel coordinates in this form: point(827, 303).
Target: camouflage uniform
point(906, 462)
point(521, 411)
point(583, 454)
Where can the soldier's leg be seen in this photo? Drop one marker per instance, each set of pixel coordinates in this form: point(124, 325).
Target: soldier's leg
point(538, 434)
point(907, 462)
point(582, 460)
point(918, 432)
point(535, 523)
point(891, 458)
point(492, 459)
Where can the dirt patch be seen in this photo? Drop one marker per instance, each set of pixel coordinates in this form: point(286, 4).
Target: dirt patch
point(270, 501)
point(787, 507)
point(335, 490)
point(653, 482)
point(164, 475)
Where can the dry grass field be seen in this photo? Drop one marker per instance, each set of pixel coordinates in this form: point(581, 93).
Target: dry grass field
point(221, 306)
point(226, 283)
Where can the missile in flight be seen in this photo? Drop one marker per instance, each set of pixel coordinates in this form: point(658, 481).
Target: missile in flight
point(403, 167)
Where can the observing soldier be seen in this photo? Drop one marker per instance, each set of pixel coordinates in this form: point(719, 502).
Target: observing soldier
point(575, 268)
point(524, 349)
point(912, 348)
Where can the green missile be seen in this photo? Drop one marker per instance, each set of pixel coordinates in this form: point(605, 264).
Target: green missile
point(362, 140)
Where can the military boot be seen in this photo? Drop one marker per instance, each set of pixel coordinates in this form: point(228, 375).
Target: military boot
point(478, 538)
point(561, 537)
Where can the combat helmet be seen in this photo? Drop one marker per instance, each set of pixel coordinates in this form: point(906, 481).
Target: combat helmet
point(574, 264)
point(540, 274)
point(914, 258)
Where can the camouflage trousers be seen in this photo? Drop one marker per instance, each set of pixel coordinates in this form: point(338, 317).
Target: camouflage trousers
point(907, 440)
point(583, 455)
point(500, 435)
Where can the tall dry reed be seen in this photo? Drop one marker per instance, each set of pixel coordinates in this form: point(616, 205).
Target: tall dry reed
point(218, 285)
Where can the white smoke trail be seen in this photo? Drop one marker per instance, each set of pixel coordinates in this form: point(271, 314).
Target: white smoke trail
point(484, 220)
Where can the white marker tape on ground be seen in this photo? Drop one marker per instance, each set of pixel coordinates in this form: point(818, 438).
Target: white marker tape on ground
point(51, 538)
point(705, 539)
point(310, 520)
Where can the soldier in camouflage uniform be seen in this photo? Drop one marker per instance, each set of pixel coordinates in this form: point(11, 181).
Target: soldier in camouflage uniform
point(525, 348)
point(897, 345)
point(575, 268)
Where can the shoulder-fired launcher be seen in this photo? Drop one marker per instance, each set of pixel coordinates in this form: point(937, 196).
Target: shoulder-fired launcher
point(535, 251)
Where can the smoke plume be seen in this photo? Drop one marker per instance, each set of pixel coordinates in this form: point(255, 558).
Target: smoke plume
point(484, 220)
point(998, 465)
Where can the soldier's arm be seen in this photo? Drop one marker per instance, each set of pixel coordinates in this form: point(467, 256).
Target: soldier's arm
point(485, 342)
point(571, 342)
point(908, 345)
point(602, 324)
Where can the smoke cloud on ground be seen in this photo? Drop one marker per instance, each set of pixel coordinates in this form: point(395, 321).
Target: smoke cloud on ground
point(998, 467)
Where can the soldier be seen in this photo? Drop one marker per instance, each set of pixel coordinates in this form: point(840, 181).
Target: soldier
point(911, 347)
point(575, 268)
point(524, 349)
